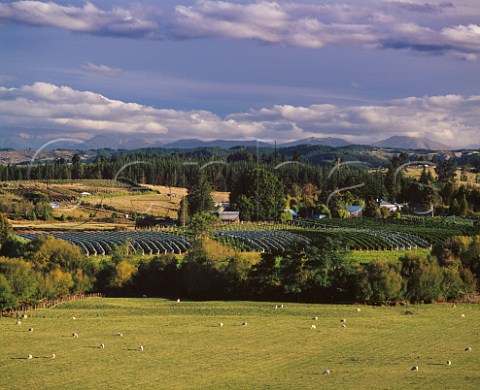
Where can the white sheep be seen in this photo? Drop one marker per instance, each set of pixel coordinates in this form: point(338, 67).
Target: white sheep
point(326, 371)
point(315, 318)
point(25, 316)
point(102, 346)
point(468, 349)
point(244, 324)
point(30, 329)
point(18, 323)
point(343, 320)
point(74, 334)
point(414, 368)
point(178, 300)
point(220, 324)
point(448, 362)
point(313, 327)
point(276, 307)
point(462, 315)
point(454, 306)
point(281, 306)
point(73, 318)
point(358, 309)
point(30, 357)
point(141, 347)
point(343, 326)
point(119, 334)
point(53, 356)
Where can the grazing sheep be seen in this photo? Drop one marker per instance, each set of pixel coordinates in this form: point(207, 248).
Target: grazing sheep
point(119, 334)
point(313, 327)
point(468, 349)
point(244, 324)
point(343, 320)
point(220, 324)
point(448, 362)
point(358, 309)
point(343, 326)
point(18, 323)
point(30, 329)
point(414, 368)
point(73, 318)
point(276, 307)
point(454, 306)
point(462, 315)
point(25, 316)
point(178, 300)
point(102, 346)
point(30, 357)
point(315, 318)
point(281, 306)
point(141, 347)
point(326, 371)
point(74, 334)
point(53, 356)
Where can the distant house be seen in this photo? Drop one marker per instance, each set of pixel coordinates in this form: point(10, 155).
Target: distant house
point(389, 206)
point(85, 193)
point(222, 206)
point(293, 212)
point(355, 211)
point(318, 216)
point(229, 216)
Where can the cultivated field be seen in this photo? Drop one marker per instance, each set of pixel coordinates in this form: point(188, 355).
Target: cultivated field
point(185, 348)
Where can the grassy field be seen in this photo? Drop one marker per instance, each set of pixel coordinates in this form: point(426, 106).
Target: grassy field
point(370, 256)
point(186, 349)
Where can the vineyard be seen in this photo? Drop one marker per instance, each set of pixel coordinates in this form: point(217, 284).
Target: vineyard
point(141, 242)
point(261, 240)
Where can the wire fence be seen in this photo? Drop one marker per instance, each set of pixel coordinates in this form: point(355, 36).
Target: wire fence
point(46, 304)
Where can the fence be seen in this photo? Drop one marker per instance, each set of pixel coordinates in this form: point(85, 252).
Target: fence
point(21, 310)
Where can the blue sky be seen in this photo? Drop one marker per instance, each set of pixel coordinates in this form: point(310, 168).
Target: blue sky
point(362, 70)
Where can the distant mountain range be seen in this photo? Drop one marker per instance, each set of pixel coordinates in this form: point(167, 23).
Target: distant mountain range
point(86, 141)
point(402, 142)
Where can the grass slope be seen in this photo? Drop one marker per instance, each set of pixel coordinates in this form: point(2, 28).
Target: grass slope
point(186, 349)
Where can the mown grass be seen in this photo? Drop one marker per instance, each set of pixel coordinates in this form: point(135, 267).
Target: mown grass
point(186, 349)
point(370, 256)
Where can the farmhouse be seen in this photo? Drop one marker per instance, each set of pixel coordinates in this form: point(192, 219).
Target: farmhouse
point(229, 216)
point(355, 211)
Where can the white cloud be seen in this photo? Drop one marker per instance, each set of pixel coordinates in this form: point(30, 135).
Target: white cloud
point(451, 118)
point(101, 69)
point(441, 28)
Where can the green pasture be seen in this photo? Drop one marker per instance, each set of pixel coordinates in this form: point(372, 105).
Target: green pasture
point(185, 348)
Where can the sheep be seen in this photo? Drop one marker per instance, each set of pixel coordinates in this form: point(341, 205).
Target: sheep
point(468, 349)
point(276, 307)
point(448, 362)
point(454, 306)
point(53, 356)
point(343, 326)
point(141, 347)
point(74, 334)
point(29, 357)
point(25, 316)
point(315, 318)
point(462, 315)
point(119, 334)
point(30, 329)
point(326, 371)
point(73, 318)
point(178, 300)
point(343, 320)
point(220, 324)
point(313, 327)
point(244, 324)
point(358, 309)
point(18, 323)
point(102, 346)
point(281, 306)
point(414, 368)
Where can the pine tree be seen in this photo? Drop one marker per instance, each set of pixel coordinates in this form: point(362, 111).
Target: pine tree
point(183, 212)
point(200, 196)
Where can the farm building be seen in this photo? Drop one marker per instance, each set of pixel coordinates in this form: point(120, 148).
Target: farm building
point(229, 216)
point(355, 211)
point(222, 206)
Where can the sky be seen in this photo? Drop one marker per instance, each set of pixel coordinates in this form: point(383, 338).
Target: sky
point(361, 70)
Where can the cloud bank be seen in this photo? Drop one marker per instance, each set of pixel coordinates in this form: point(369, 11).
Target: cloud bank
point(452, 118)
point(441, 28)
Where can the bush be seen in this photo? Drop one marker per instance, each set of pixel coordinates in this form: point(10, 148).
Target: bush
point(379, 283)
point(7, 298)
